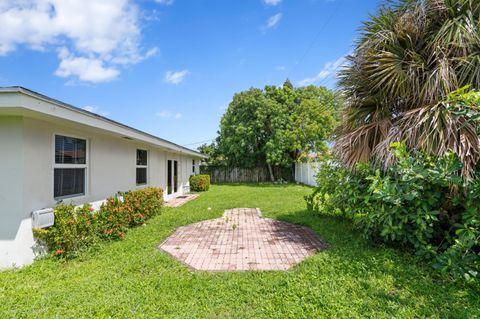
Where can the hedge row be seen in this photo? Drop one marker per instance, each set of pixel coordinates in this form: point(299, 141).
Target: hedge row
point(78, 228)
point(199, 183)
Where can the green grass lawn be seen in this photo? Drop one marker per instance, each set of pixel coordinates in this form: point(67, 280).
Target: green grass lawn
point(132, 278)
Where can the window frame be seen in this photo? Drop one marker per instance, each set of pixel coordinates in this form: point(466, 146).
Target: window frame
point(142, 166)
point(60, 166)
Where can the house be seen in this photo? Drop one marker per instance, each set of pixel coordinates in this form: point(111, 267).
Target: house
point(52, 151)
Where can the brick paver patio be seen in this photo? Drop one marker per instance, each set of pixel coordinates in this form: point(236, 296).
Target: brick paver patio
point(242, 240)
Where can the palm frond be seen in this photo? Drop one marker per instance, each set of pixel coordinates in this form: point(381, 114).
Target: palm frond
point(409, 57)
point(357, 146)
point(436, 130)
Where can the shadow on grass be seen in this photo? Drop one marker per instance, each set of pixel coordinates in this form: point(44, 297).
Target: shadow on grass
point(351, 255)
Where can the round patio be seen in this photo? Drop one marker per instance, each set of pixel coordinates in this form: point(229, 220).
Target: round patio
point(242, 240)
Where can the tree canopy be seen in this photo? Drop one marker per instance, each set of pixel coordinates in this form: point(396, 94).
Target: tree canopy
point(275, 126)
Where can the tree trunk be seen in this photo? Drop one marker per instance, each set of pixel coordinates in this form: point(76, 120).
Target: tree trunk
point(272, 178)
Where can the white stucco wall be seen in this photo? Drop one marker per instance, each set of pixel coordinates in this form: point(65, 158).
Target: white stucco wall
point(111, 163)
point(26, 175)
point(16, 240)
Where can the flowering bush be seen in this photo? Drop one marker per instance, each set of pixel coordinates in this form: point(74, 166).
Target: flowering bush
point(113, 219)
point(142, 204)
point(81, 227)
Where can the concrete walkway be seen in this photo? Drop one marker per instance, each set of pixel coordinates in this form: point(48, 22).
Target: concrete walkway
point(180, 200)
point(242, 240)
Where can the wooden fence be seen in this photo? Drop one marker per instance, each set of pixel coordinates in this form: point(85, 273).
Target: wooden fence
point(245, 175)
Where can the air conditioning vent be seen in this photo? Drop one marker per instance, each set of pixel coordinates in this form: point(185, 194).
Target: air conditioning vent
point(43, 218)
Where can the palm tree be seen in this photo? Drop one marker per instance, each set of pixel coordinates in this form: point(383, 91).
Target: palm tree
point(409, 57)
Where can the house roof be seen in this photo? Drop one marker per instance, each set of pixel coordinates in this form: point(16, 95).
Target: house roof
point(82, 116)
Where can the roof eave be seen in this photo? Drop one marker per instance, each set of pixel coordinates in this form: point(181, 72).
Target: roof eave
point(161, 142)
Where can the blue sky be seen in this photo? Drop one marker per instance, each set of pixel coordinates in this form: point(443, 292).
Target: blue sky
point(170, 67)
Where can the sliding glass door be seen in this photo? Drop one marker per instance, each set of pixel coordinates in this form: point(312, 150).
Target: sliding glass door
point(172, 177)
point(175, 176)
point(169, 177)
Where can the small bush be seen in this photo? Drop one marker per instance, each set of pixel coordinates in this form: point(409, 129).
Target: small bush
point(82, 227)
point(339, 189)
point(113, 219)
point(199, 183)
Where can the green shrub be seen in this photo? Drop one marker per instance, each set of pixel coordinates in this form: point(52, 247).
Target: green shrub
point(70, 233)
point(339, 189)
point(199, 183)
point(144, 204)
point(414, 201)
point(420, 203)
point(113, 219)
point(78, 228)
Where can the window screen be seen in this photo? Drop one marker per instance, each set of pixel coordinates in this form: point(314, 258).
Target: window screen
point(70, 166)
point(142, 157)
point(69, 181)
point(142, 167)
point(70, 150)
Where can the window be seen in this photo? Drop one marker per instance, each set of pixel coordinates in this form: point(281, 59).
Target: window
point(193, 166)
point(142, 167)
point(70, 167)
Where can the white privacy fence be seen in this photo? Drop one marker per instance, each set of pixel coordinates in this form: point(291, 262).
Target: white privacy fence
point(305, 173)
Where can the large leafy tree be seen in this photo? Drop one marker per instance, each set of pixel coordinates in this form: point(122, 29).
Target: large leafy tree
point(304, 121)
point(211, 150)
point(276, 126)
point(409, 57)
point(244, 129)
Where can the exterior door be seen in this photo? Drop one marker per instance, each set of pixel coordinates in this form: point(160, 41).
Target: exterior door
point(172, 178)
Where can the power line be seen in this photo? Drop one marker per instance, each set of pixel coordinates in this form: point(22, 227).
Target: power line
point(201, 142)
point(301, 59)
point(315, 38)
point(334, 71)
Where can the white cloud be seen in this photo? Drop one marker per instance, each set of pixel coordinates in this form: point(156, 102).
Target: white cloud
point(280, 67)
point(328, 69)
point(272, 2)
point(102, 35)
point(274, 20)
point(85, 69)
point(165, 2)
point(96, 110)
point(175, 77)
point(168, 114)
